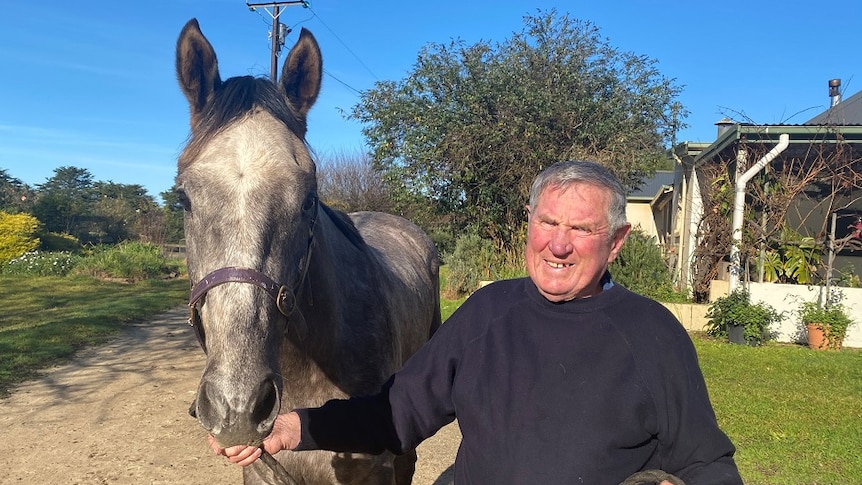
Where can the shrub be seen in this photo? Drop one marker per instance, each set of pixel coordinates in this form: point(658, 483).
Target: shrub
point(54, 241)
point(831, 318)
point(737, 309)
point(475, 259)
point(41, 263)
point(641, 268)
point(129, 260)
point(470, 262)
point(18, 235)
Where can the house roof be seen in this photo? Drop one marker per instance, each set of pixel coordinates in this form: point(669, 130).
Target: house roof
point(847, 112)
point(841, 123)
point(652, 186)
point(801, 138)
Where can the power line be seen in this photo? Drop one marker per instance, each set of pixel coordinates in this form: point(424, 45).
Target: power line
point(343, 44)
point(358, 92)
point(280, 32)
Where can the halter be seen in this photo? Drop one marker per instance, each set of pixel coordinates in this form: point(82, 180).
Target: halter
point(284, 297)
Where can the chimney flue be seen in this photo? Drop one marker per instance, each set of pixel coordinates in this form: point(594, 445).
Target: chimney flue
point(834, 92)
point(724, 125)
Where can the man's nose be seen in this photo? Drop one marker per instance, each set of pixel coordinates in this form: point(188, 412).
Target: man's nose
point(560, 243)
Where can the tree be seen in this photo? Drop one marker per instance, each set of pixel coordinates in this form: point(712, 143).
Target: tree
point(120, 211)
point(70, 202)
point(15, 195)
point(65, 200)
point(471, 125)
point(349, 183)
point(172, 217)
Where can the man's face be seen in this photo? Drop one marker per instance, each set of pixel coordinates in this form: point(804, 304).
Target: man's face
point(568, 244)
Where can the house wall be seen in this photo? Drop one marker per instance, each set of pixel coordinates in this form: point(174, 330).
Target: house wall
point(640, 214)
point(692, 213)
point(786, 299)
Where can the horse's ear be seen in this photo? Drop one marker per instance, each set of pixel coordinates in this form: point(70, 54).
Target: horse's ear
point(302, 73)
point(197, 67)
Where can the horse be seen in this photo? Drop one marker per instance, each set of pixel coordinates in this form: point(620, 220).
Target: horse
point(293, 302)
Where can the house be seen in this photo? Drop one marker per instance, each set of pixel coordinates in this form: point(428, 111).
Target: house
point(650, 207)
point(709, 175)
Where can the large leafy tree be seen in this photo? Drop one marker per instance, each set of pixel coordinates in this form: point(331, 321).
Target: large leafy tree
point(172, 217)
point(471, 125)
point(71, 202)
point(65, 201)
point(15, 195)
point(121, 211)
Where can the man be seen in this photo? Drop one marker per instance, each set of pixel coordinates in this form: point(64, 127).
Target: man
point(560, 378)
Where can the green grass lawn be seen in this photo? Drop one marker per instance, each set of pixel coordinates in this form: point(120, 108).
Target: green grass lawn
point(45, 319)
point(794, 414)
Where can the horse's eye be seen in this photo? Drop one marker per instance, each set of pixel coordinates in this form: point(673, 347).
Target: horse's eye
point(183, 199)
point(309, 202)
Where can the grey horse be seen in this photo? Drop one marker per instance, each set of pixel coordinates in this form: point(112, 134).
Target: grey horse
point(294, 303)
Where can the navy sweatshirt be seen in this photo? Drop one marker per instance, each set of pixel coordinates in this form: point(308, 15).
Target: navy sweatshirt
point(585, 391)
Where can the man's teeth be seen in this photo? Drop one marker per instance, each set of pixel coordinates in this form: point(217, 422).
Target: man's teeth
point(558, 265)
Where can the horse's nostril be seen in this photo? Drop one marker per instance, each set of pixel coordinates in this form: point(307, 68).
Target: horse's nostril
point(208, 407)
point(267, 406)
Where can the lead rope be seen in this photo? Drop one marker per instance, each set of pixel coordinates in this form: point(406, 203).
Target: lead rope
point(281, 474)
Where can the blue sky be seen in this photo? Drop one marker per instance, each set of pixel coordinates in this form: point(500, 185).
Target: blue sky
point(92, 84)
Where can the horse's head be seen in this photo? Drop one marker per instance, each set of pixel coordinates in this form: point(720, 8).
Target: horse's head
point(248, 187)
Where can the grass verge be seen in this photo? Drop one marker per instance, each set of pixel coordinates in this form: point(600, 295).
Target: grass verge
point(46, 319)
point(794, 414)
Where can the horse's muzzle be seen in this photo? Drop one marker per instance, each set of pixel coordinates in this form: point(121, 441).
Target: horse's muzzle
point(236, 418)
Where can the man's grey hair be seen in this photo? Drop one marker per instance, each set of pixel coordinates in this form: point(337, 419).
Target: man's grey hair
point(569, 173)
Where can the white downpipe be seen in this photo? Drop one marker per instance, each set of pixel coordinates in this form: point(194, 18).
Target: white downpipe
point(739, 208)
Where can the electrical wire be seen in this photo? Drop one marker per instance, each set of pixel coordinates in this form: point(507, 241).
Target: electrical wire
point(343, 44)
point(313, 16)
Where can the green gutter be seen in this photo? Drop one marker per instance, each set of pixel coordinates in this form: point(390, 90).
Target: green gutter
point(768, 134)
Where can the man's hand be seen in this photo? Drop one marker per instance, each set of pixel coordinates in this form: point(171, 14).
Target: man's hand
point(238, 455)
point(285, 435)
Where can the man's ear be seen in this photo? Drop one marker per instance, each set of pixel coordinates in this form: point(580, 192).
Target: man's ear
point(619, 239)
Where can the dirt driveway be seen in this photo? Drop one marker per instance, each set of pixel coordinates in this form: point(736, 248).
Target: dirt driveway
point(118, 414)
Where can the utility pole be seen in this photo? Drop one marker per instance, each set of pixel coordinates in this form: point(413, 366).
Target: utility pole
point(279, 30)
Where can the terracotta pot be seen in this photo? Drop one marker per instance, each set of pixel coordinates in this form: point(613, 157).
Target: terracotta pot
point(816, 339)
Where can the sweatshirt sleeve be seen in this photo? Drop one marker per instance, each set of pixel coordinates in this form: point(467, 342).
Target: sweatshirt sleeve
point(360, 425)
point(692, 445)
point(413, 404)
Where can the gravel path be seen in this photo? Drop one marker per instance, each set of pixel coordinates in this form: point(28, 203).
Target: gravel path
point(118, 414)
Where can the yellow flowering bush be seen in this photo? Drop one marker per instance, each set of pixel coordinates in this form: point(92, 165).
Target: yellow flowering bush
point(18, 235)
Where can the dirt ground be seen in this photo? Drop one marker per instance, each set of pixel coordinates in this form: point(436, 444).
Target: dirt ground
point(118, 414)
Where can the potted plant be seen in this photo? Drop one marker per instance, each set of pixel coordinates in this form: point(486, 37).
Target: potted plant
point(734, 317)
point(826, 324)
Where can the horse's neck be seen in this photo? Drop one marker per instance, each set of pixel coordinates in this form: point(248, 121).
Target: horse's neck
point(345, 319)
point(340, 269)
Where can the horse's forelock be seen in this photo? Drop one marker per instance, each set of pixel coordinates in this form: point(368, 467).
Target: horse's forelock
point(233, 99)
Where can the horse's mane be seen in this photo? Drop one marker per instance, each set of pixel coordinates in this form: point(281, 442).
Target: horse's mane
point(345, 226)
point(231, 100)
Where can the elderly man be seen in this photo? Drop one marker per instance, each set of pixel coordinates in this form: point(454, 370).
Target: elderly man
point(560, 378)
